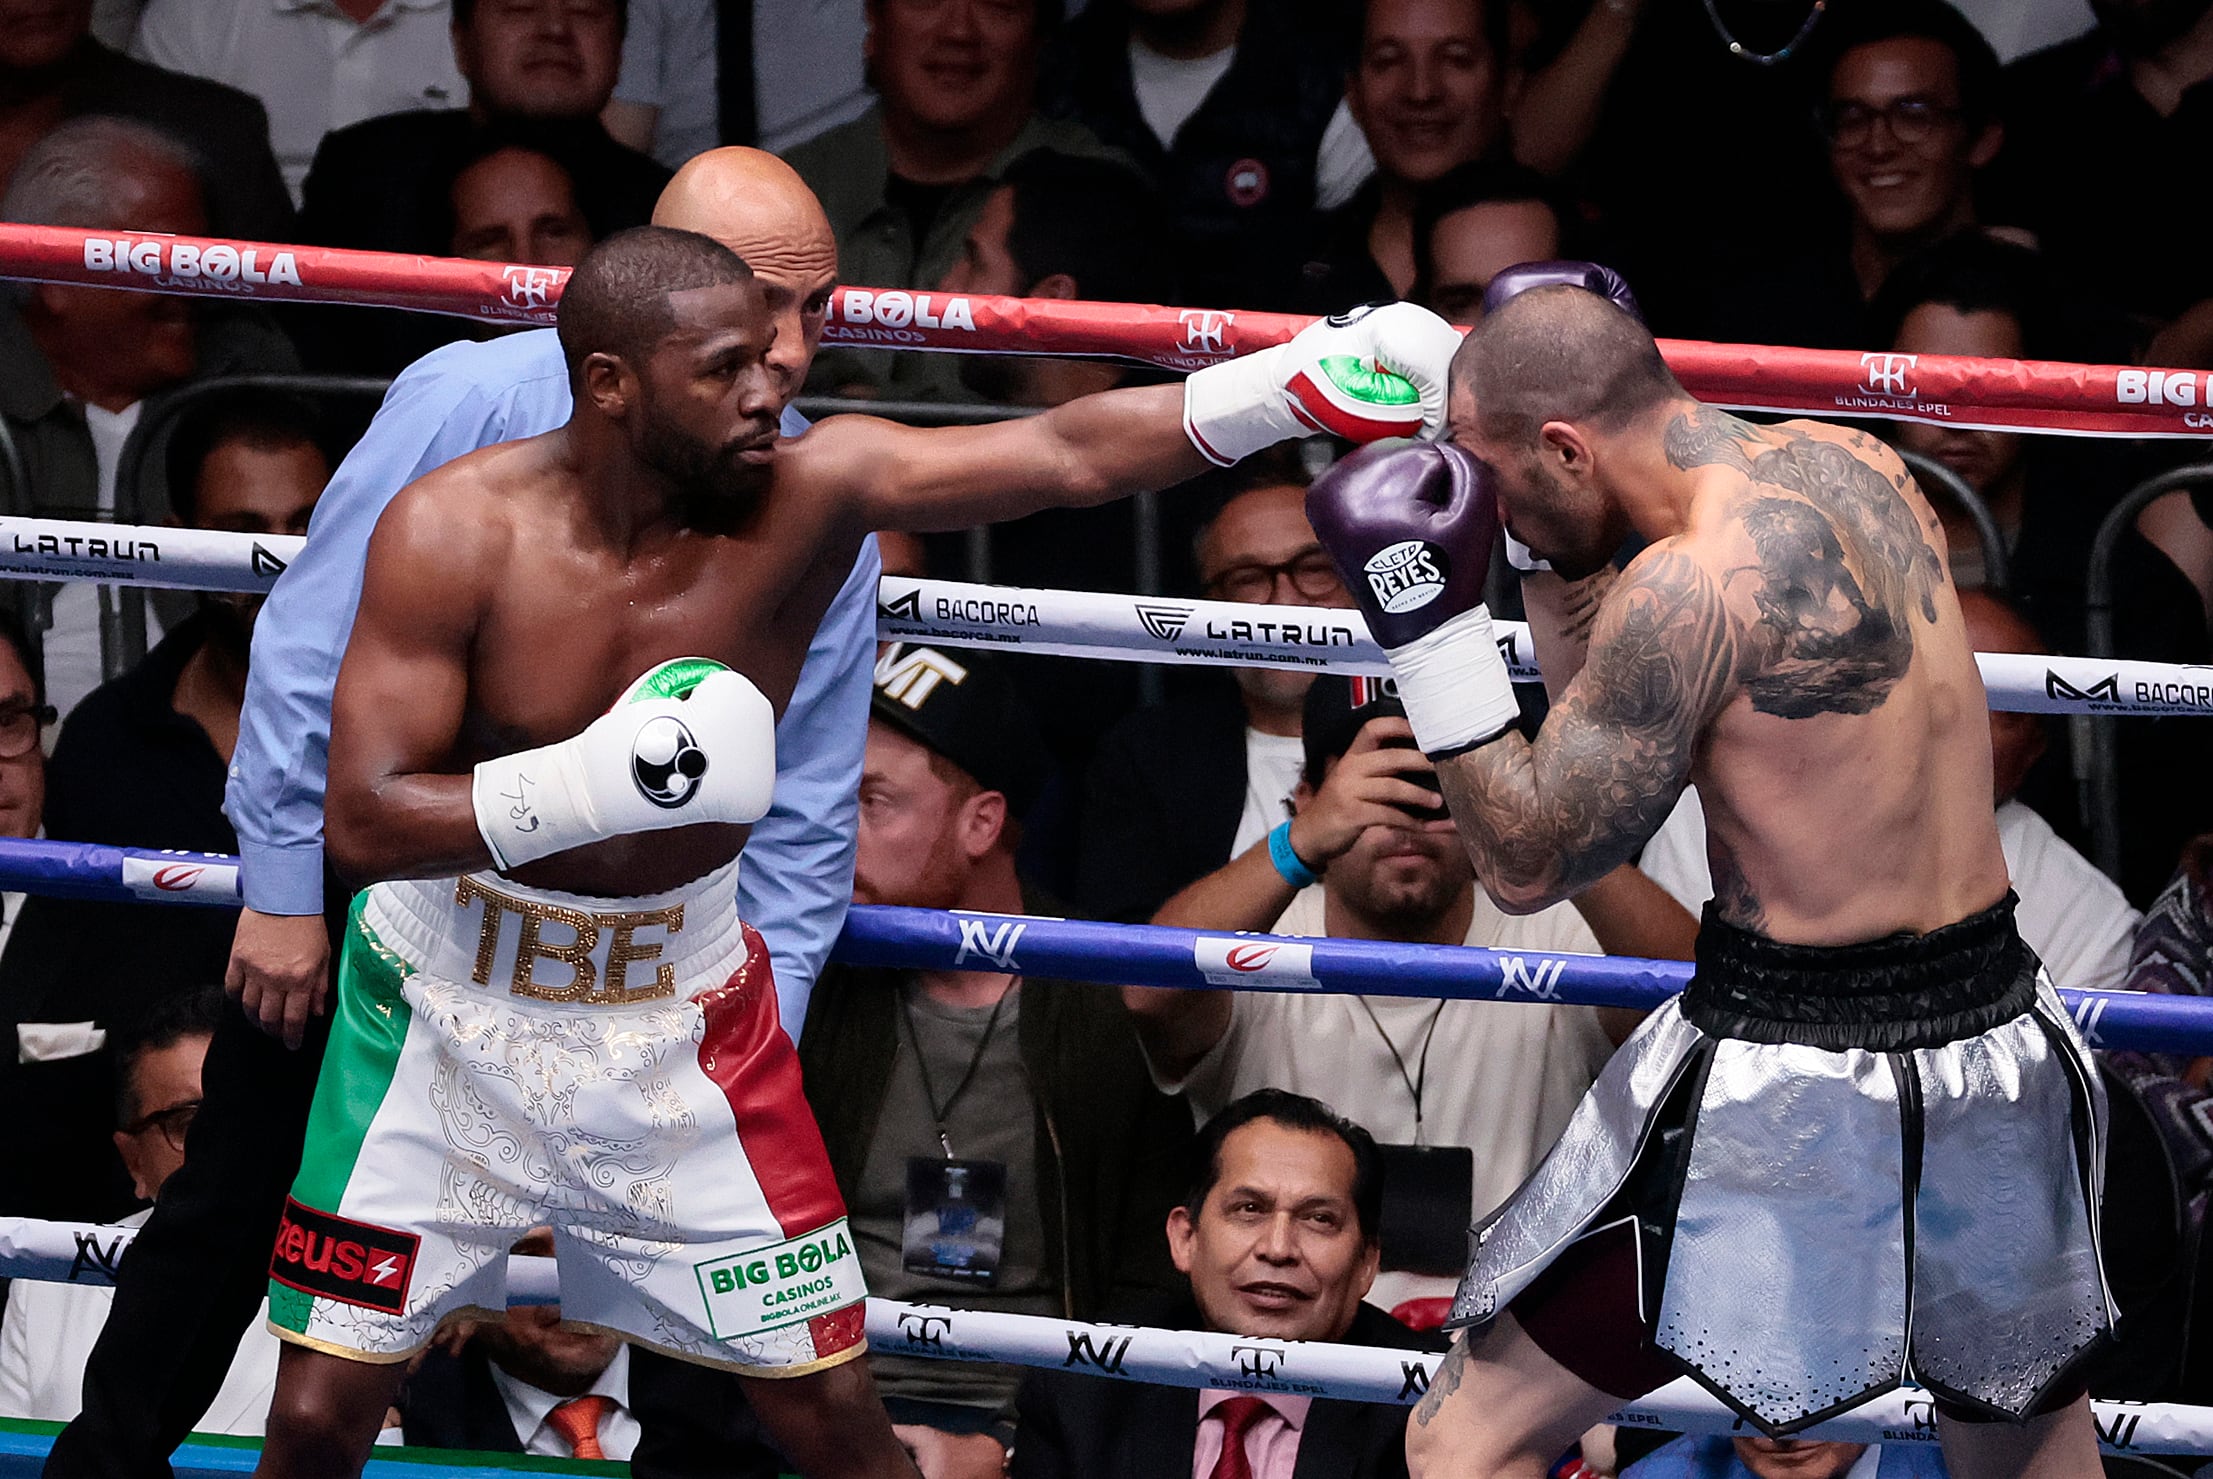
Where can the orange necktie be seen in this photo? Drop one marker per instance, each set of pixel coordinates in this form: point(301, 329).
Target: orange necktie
point(577, 1421)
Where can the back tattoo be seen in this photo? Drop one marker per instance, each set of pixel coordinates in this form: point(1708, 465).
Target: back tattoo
point(1832, 645)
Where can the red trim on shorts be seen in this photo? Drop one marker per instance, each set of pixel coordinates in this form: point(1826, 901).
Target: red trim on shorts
point(744, 1050)
point(840, 1330)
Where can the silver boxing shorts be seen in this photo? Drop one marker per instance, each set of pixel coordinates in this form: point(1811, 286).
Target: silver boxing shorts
point(1845, 1168)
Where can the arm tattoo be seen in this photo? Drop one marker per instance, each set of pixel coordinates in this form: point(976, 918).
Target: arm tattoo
point(1580, 602)
point(1544, 820)
point(1450, 1371)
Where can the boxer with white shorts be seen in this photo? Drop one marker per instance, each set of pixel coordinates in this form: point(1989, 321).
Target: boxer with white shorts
point(548, 1010)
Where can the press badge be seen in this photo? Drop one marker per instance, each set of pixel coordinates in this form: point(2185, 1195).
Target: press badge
point(956, 1220)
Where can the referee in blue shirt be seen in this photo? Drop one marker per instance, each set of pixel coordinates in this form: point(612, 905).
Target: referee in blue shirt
point(196, 1274)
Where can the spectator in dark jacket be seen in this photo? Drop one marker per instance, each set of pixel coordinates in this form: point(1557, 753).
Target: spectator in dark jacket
point(1278, 1237)
point(51, 70)
point(1177, 790)
point(996, 1137)
point(538, 77)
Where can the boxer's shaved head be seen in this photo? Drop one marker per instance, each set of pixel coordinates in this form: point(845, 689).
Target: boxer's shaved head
point(618, 300)
point(1558, 354)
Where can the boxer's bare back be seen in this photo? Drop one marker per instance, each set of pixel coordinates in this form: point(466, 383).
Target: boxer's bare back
point(1793, 647)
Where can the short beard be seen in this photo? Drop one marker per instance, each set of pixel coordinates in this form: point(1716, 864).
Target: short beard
point(713, 486)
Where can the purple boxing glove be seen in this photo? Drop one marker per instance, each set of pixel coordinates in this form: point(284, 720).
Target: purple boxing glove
point(1589, 276)
point(1411, 530)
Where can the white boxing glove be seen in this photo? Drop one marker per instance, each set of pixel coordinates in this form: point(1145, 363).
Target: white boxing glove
point(1376, 372)
point(690, 741)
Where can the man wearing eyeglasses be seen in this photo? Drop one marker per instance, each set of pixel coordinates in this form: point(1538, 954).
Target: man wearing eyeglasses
point(24, 714)
point(1179, 789)
point(50, 1327)
point(1909, 119)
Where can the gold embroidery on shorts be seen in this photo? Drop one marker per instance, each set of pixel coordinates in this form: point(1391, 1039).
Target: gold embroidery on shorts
point(583, 986)
point(621, 951)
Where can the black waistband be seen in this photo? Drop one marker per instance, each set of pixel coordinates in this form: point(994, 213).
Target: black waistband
point(1887, 995)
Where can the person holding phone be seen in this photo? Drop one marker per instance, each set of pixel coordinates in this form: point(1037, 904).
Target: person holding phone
point(1368, 855)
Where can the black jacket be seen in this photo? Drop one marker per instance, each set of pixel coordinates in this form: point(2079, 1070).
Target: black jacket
point(1114, 1153)
point(1078, 1426)
point(128, 770)
point(226, 130)
point(1239, 179)
point(1161, 805)
point(382, 185)
point(695, 1422)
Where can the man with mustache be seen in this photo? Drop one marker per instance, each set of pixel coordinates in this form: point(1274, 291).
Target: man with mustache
point(1279, 1238)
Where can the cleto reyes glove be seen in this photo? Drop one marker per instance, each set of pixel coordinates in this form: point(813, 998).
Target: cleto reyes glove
point(1378, 371)
point(1589, 276)
point(689, 741)
point(1411, 529)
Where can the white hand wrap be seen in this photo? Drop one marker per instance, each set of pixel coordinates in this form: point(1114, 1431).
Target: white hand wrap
point(1455, 685)
point(1236, 408)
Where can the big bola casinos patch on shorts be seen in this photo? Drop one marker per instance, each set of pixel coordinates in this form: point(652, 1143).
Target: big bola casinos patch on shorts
point(339, 1258)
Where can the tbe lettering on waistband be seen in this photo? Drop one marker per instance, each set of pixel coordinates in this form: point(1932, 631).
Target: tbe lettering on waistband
point(584, 986)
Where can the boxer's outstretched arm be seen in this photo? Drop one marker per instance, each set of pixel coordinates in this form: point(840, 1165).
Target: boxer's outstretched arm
point(395, 806)
point(1090, 451)
point(1543, 820)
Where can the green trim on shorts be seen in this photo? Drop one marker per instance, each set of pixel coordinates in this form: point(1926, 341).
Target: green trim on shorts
point(367, 1032)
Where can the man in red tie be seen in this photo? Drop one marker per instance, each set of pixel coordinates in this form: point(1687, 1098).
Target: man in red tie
point(1278, 1239)
point(530, 1384)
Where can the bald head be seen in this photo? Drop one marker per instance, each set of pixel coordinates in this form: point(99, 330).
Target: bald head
point(1559, 354)
point(756, 205)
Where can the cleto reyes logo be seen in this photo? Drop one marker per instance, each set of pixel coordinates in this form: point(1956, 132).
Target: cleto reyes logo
point(176, 878)
point(352, 1262)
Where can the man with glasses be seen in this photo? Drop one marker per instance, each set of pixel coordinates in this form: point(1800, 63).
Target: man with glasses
point(1909, 119)
point(50, 1327)
point(1179, 789)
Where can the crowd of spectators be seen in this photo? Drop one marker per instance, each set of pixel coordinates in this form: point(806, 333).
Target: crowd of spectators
point(2004, 179)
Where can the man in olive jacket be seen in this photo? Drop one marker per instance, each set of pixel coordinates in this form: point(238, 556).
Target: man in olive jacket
point(997, 1139)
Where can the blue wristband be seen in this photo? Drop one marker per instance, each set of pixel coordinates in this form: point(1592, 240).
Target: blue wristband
point(1288, 863)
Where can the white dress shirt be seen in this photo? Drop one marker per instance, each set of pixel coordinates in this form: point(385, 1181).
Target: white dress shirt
point(528, 1408)
point(312, 66)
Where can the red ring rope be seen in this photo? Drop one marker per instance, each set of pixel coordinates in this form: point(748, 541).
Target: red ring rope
point(2029, 395)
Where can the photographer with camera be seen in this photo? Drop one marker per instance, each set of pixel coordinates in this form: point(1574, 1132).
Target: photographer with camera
point(1369, 855)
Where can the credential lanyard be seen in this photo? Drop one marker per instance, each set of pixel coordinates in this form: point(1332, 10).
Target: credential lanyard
point(1419, 1079)
point(939, 1112)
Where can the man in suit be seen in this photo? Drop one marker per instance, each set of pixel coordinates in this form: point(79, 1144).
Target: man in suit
point(530, 1384)
point(1278, 1239)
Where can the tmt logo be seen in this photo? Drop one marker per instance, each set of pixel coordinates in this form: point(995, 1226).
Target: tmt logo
point(924, 1330)
point(1260, 1362)
point(530, 287)
point(1889, 374)
point(1205, 330)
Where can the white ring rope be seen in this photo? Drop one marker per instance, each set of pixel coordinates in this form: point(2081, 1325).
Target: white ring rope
point(1091, 624)
point(81, 1253)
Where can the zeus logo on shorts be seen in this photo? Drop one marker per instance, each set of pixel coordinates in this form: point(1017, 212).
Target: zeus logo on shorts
point(338, 1258)
point(1407, 576)
point(666, 762)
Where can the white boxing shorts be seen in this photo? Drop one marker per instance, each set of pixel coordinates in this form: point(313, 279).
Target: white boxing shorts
point(503, 1058)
